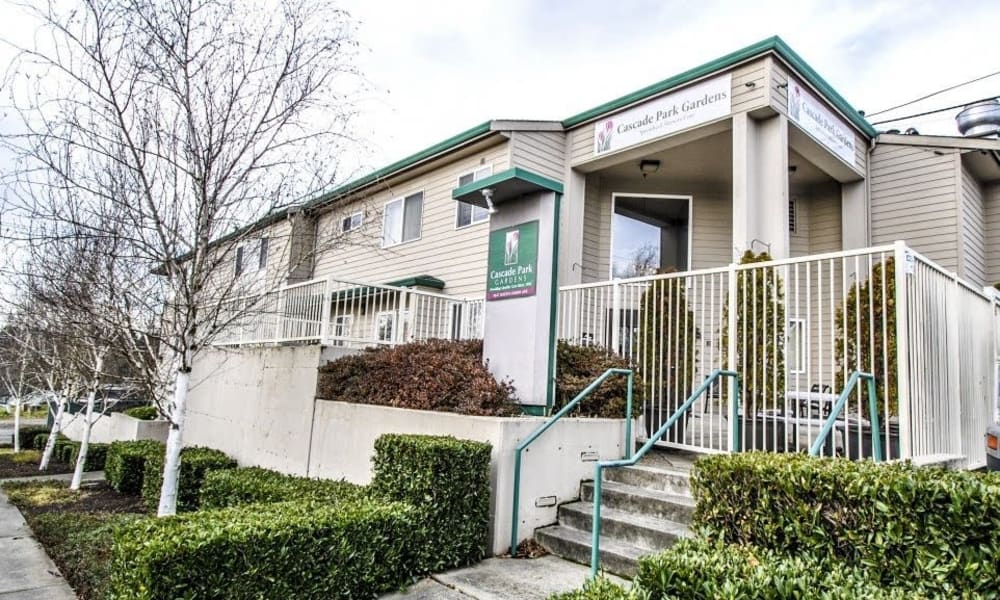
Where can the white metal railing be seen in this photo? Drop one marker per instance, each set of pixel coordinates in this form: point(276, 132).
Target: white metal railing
point(799, 327)
point(350, 314)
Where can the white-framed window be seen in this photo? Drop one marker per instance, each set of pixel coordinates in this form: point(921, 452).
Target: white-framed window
point(251, 257)
point(351, 222)
point(401, 222)
point(795, 346)
point(342, 328)
point(470, 214)
point(385, 325)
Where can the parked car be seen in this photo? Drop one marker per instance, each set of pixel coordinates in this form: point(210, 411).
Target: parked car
point(992, 452)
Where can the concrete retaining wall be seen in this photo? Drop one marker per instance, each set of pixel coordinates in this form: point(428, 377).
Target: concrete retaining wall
point(115, 427)
point(258, 406)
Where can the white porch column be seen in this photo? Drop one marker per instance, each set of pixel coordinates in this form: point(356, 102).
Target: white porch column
point(571, 228)
point(760, 185)
point(853, 215)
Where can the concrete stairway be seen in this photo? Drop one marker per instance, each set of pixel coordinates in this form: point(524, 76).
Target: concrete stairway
point(644, 509)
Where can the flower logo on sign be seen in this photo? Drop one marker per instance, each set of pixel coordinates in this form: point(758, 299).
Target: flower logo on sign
point(604, 136)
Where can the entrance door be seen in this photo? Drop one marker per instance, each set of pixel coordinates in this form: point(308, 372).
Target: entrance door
point(649, 234)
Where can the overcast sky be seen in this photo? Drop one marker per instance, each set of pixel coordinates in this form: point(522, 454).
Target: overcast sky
point(442, 66)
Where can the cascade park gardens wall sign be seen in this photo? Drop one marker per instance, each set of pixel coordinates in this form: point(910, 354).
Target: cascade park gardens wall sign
point(513, 262)
point(813, 118)
point(694, 105)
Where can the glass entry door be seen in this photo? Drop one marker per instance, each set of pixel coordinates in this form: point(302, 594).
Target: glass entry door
point(649, 234)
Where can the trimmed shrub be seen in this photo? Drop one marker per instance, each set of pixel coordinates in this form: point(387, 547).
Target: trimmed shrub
point(577, 367)
point(701, 570)
point(96, 455)
point(195, 462)
point(253, 485)
point(39, 441)
point(437, 375)
point(899, 523)
point(143, 413)
point(283, 550)
point(601, 589)
point(28, 436)
point(448, 481)
point(126, 464)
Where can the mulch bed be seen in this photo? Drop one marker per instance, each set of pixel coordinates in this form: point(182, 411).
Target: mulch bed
point(98, 497)
point(10, 468)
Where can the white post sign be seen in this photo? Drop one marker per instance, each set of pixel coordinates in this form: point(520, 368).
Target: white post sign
point(694, 105)
point(814, 118)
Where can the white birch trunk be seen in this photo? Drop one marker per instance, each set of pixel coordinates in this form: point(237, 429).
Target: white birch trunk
point(17, 425)
point(172, 461)
point(53, 434)
point(81, 458)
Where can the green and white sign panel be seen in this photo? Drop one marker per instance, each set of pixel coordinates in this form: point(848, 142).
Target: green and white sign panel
point(513, 262)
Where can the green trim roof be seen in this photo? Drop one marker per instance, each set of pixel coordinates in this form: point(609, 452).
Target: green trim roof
point(773, 44)
point(428, 281)
point(517, 173)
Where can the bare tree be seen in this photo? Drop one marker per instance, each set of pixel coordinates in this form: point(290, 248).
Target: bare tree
point(169, 127)
point(15, 359)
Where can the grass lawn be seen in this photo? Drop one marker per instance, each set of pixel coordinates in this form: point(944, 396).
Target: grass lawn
point(25, 464)
point(76, 528)
point(35, 413)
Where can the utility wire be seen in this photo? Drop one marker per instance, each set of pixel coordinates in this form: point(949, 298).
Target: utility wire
point(931, 112)
point(947, 89)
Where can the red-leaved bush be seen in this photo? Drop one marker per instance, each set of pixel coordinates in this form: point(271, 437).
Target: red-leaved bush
point(439, 375)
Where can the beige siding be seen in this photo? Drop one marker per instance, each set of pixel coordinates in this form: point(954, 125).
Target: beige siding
point(991, 213)
point(744, 98)
point(542, 152)
point(457, 256)
point(711, 227)
point(913, 199)
point(973, 263)
point(799, 237)
point(825, 225)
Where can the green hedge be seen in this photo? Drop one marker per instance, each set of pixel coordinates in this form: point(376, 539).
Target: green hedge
point(39, 441)
point(448, 481)
point(282, 550)
point(253, 485)
point(126, 464)
point(702, 570)
point(144, 413)
point(195, 462)
point(900, 523)
point(28, 436)
point(96, 455)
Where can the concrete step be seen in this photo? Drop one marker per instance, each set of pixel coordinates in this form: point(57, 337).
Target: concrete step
point(664, 479)
point(574, 544)
point(638, 530)
point(637, 500)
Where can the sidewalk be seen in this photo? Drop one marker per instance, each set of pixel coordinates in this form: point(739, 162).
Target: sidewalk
point(27, 573)
point(501, 579)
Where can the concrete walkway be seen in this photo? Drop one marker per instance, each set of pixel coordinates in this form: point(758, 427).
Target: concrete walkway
point(27, 572)
point(501, 579)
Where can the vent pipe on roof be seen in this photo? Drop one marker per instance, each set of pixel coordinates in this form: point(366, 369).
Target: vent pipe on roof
point(981, 119)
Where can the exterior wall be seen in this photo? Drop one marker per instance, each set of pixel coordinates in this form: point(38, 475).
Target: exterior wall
point(711, 223)
point(991, 213)
point(552, 468)
point(744, 98)
point(113, 428)
point(542, 152)
point(255, 404)
point(457, 256)
point(913, 198)
point(972, 266)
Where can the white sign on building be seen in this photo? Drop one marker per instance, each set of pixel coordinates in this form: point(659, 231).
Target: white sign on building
point(814, 118)
point(694, 105)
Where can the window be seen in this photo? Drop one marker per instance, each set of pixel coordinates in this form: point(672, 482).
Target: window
point(385, 323)
point(795, 348)
point(342, 328)
point(352, 222)
point(401, 222)
point(251, 256)
point(470, 214)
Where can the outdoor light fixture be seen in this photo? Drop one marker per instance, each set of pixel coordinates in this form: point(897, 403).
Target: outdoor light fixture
point(488, 196)
point(648, 166)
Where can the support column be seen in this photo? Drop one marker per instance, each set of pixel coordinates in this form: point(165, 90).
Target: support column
point(760, 185)
point(571, 228)
point(853, 215)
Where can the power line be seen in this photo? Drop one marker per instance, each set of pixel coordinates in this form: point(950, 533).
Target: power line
point(931, 95)
point(931, 112)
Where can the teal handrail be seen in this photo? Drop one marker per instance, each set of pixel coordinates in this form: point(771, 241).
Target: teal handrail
point(544, 427)
point(595, 551)
point(852, 382)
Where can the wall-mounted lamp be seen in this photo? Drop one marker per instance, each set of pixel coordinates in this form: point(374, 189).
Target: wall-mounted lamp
point(781, 86)
point(648, 166)
point(750, 84)
point(488, 196)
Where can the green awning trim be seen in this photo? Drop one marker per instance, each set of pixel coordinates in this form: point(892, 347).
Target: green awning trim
point(506, 184)
point(428, 281)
